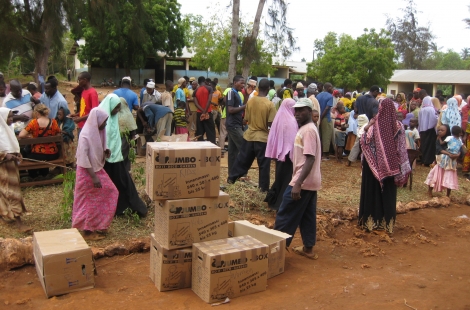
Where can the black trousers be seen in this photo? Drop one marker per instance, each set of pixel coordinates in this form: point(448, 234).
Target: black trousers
point(205, 127)
point(246, 155)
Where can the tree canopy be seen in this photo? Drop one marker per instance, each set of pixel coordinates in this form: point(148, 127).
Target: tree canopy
point(354, 63)
point(126, 32)
point(211, 41)
point(412, 42)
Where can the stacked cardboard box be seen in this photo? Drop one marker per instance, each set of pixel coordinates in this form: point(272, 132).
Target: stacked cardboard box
point(189, 247)
point(183, 180)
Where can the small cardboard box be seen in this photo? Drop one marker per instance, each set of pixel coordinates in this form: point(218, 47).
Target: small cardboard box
point(170, 269)
point(276, 241)
point(229, 267)
point(64, 261)
point(177, 170)
point(180, 223)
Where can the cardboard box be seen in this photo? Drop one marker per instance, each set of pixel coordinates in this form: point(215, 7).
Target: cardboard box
point(64, 261)
point(177, 170)
point(229, 267)
point(276, 241)
point(180, 223)
point(170, 269)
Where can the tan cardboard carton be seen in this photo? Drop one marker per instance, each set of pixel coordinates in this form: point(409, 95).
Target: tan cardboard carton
point(177, 170)
point(64, 261)
point(276, 241)
point(229, 267)
point(170, 269)
point(180, 223)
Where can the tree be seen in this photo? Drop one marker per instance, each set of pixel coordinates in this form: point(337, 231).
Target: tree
point(354, 63)
point(412, 42)
point(126, 32)
point(465, 53)
point(467, 20)
point(449, 60)
point(211, 41)
point(277, 34)
point(37, 25)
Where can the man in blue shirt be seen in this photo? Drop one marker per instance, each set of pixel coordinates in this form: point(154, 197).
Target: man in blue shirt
point(325, 99)
point(127, 93)
point(52, 98)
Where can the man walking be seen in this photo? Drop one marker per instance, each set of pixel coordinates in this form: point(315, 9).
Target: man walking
point(325, 99)
point(259, 114)
point(299, 202)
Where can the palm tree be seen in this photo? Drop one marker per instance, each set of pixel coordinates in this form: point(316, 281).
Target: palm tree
point(467, 20)
point(465, 53)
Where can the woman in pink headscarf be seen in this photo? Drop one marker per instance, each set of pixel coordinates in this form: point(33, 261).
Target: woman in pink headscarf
point(280, 144)
point(96, 196)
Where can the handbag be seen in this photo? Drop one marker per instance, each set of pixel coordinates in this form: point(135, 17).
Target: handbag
point(28, 148)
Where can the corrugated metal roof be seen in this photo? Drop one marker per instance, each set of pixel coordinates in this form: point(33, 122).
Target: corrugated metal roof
point(432, 76)
point(297, 66)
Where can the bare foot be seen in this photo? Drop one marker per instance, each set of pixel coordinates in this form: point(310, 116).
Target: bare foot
point(21, 226)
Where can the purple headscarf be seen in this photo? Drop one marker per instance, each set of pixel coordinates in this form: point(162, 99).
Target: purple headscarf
point(427, 115)
point(283, 131)
point(407, 119)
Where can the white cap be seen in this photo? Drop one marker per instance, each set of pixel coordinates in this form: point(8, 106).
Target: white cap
point(304, 102)
point(150, 85)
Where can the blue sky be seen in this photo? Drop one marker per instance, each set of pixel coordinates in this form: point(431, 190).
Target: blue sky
point(313, 19)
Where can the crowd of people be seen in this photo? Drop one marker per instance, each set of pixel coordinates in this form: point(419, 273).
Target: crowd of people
point(297, 126)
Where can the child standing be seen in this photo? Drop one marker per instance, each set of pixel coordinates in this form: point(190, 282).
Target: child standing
point(412, 135)
point(181, 121)
point(340, 130)
point(444, 173)
point(67, 126)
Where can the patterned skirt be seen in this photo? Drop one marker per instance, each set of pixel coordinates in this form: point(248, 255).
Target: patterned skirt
point(11, 200)
point(93, 208)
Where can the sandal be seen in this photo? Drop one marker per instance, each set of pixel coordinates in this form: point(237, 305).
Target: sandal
point(93, 237)
point(300, 251)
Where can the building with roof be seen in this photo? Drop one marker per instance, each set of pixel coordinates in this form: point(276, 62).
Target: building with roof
point(408, 80)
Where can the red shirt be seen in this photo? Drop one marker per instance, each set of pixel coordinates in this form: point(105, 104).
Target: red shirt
point(89, 101)
point(202, 95)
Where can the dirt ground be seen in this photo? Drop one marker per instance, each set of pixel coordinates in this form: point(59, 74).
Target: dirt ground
point(425, 263)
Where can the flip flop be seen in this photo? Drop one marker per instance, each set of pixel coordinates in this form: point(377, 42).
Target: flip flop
point(300, 251)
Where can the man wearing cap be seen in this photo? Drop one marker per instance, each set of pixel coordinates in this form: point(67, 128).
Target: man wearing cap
point(180, 95)
point(299, 202)
point(126, 93)
point(259, 113)
point(142, 91)
point(52, 98)
point(191, 80)
point(299, 87)
point(151, 94)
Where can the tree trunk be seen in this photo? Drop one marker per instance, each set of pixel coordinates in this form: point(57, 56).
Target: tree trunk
point(254, 36)
point(232, 65)
point(42, 51)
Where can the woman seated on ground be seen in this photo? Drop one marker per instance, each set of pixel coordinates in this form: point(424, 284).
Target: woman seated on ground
point(41, 126)
point(11, 200)
point(95, 197)
point(115, 166)
point(67, 126)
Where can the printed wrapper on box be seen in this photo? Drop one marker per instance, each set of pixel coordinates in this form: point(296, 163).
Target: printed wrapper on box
point(229, 267)
point(177, 170)
point(276, 241)
point(180, 223)
point(64, 261)
point(170, 269)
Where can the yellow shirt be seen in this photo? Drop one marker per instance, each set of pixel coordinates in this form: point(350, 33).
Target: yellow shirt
point(259, 112)
point(186, 90)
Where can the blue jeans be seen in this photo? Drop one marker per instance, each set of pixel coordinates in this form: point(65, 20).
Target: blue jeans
point(298, 213)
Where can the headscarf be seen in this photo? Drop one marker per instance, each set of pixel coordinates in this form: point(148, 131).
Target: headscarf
point(283, 131)
point(8, 141)
point(427, 115)
point(384, 146)
point(451, 116)
point(352, 122)
point(68, 125)
point(466, 116)
point(113, 135)
point(126, 119)
point(336, 92)
point(92, 142)
point(459, 99)
point(407, 119)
